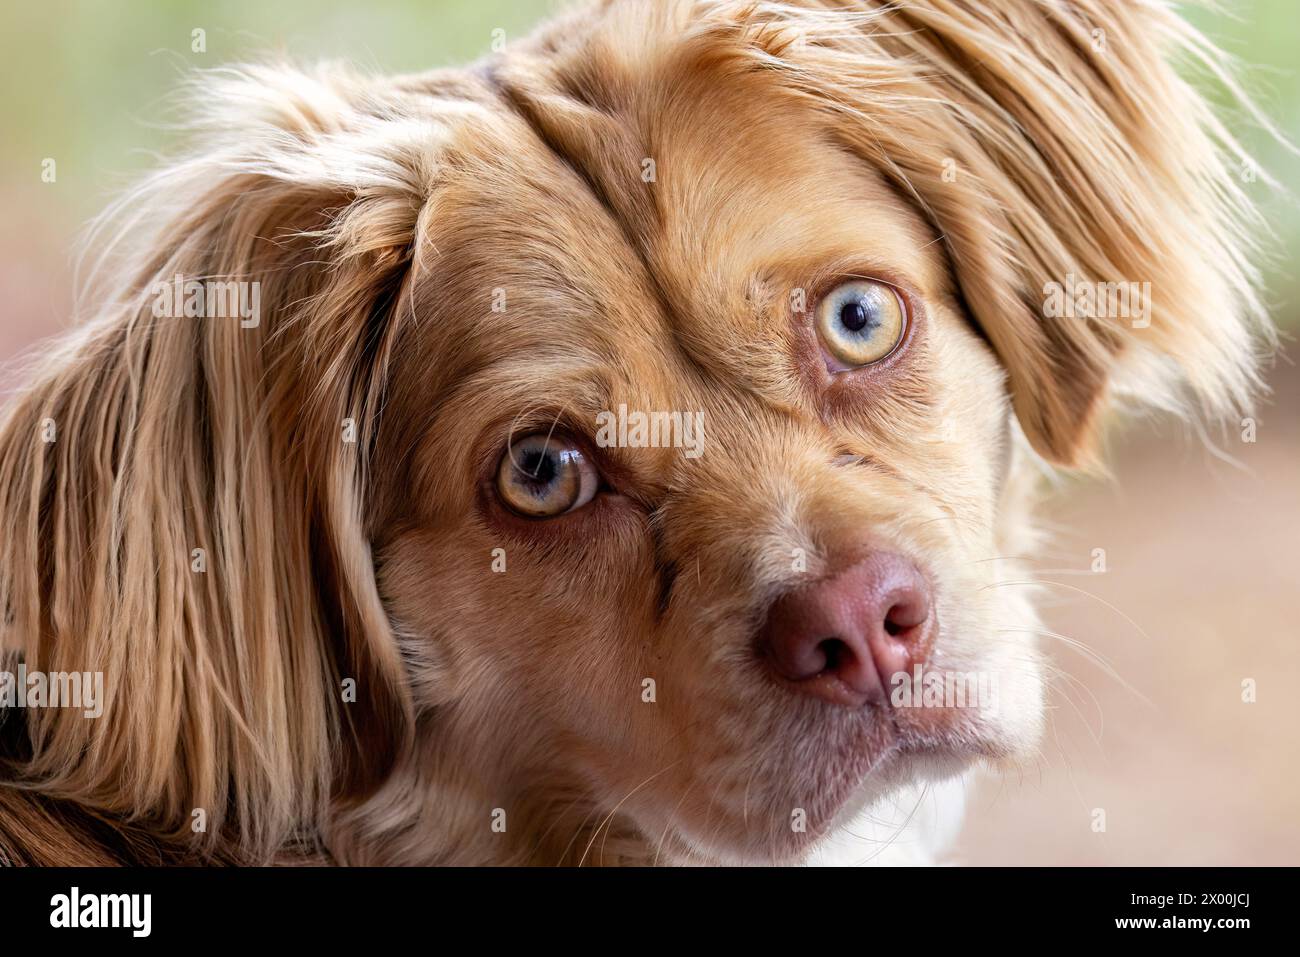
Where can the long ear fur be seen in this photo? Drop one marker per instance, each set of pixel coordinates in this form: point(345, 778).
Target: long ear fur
point(148, 437)
point(1046, 140)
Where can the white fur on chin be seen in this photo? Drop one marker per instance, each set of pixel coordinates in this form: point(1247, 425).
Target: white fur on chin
point(913, 826)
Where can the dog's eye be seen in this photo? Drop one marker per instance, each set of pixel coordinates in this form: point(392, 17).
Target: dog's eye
point(541, 476)
point(860, 322)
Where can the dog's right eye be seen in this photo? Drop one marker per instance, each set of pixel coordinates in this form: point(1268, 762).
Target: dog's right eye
point(542, 476)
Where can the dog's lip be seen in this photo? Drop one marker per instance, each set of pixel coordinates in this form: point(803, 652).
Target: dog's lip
point(904, 749)
point(898, 744)
point(968, 747)
point(954, 748)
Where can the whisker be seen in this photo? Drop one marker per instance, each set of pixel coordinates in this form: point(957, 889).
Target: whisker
point(1082, 591)
point(610, 816)
point(925, 791)
point(1089, 654)
point(668, 822)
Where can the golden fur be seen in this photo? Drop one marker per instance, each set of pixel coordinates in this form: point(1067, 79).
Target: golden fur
point(791, 143)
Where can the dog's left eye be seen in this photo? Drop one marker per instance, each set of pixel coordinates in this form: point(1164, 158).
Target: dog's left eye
point(860, 322)
point(542, 476)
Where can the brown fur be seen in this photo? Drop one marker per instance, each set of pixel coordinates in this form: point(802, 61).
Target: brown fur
point(793, 144)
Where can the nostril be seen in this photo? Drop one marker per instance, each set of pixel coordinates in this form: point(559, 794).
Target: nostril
point(906, 615)
point(836, 654)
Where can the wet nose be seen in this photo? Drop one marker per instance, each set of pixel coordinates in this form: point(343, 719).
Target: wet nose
point(843, 638)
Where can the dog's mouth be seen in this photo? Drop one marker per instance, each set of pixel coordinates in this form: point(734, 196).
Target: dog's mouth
point(936, 723)
point(949, 728)
point(821, 765)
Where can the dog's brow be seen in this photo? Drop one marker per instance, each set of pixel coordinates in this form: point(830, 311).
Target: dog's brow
point(510, 98)
point(632, 236)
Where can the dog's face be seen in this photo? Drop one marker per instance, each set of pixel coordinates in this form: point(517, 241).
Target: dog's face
point(705, 636)
point(691, 359)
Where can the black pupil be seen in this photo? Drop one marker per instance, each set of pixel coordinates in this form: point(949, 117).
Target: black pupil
point(854, 316)
point(539, 465)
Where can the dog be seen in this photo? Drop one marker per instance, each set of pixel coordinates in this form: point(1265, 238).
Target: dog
point(622, 450)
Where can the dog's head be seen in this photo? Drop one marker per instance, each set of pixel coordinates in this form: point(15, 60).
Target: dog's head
point(641, 419)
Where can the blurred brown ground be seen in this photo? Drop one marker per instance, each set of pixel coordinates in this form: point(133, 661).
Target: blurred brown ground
point(1204, 558)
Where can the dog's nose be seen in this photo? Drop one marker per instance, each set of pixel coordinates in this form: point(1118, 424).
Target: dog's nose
point(845, 637)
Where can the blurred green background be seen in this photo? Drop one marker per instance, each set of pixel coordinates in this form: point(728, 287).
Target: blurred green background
point(86, 83)
point(84, 79)
point(1200, 780)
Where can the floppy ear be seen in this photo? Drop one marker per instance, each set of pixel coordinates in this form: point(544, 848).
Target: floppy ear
point(182, 487)
point(1054, 149)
